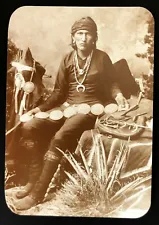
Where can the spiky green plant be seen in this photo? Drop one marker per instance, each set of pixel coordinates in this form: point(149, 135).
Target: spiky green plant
point(98, 184)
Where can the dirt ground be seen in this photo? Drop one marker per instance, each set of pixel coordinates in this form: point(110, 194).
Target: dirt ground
point(54, 206)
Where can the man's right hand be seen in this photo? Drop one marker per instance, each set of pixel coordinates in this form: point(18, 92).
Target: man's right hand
point(33, 111)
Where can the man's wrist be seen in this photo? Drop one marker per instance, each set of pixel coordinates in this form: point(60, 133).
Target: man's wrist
point(119, 94)
point(38, 109)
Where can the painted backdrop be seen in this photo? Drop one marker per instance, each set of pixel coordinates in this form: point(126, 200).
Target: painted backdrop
point(46, 30)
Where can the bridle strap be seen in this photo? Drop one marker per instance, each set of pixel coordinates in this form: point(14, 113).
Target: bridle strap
point(33, 70)
point(22, 67)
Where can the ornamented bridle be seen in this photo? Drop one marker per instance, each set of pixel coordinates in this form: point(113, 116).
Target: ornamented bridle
point(20, 83)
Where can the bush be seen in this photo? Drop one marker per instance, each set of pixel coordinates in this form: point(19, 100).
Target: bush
point(11, 53)
point(148, 86)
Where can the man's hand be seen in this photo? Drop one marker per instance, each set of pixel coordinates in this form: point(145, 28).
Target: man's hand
point(33, 111)
point(122, 102)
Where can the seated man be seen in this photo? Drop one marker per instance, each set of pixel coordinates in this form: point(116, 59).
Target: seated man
point(85, 75)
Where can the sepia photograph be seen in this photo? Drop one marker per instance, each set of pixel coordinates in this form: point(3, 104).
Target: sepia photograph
point(79, 111)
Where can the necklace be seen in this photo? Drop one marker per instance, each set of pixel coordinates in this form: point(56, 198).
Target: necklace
point(83, 71)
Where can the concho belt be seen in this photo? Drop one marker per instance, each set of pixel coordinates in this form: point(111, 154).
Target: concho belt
point(67, 111)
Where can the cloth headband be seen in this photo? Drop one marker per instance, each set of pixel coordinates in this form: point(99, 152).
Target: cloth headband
point(86, 23)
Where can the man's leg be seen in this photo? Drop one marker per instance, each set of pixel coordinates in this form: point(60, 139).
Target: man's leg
point(66, 137)
point(69, 134)
point(34, 134)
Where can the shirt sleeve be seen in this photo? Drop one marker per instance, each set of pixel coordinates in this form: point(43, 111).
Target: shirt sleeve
point(111, 76)
point(60, 91)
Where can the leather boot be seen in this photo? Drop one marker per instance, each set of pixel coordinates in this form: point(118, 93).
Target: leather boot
point(34, 173)
point(40, 188)
point(34, 168)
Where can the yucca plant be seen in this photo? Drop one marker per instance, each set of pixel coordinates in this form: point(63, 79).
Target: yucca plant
point(97, 183)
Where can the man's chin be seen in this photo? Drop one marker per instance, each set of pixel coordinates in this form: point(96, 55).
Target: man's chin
point(82, 48)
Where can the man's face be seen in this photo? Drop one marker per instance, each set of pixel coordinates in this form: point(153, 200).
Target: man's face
point(83, 39)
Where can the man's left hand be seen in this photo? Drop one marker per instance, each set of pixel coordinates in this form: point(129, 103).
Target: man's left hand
point(122, 102)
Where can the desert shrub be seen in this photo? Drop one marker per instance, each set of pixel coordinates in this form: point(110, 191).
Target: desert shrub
point(148, 86)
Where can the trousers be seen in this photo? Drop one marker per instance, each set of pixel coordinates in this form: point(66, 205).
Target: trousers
point(63, 133)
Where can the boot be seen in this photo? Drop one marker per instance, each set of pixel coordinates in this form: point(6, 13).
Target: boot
point(35, 160)
point(34, 173)
point(24, 191)
point(39, 190)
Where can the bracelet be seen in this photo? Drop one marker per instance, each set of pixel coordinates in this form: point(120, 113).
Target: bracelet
point(38, 109)
point(119, 94)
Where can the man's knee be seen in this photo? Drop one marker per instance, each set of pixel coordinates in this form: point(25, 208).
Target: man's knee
point(27, 126)
point(59, 136)
point(29, 129)
point(57, 140)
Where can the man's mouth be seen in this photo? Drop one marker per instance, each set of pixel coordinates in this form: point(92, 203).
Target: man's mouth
point(83, 44)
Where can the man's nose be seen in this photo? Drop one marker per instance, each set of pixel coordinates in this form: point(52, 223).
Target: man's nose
point(83, 37)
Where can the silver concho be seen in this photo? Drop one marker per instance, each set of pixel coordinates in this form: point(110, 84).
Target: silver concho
point(80, 86)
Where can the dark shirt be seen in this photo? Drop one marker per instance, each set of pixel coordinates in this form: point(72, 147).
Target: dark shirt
point(100, 84)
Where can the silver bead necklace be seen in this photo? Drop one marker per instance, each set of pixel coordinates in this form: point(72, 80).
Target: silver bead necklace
point(83, 71)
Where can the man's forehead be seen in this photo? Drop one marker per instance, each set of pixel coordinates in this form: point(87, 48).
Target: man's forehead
point(83, 31)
